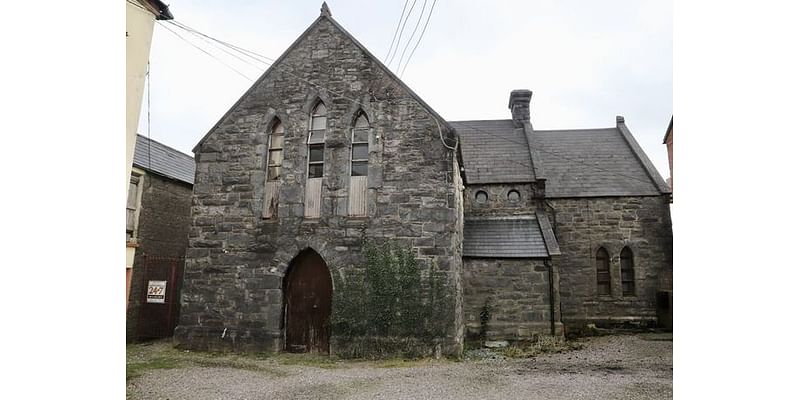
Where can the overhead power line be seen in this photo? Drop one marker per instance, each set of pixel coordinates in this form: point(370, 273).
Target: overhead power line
point(410, 38)
point(260, 58)
point(209, 54)
point(395, 32)
point(419, 39)
point(403, 28)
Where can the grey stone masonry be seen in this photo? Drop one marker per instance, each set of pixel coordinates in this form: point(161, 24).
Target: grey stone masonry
point(232, 294)
point(584, 225)
point(500, 199)
point(162, 231)
point(516, 294)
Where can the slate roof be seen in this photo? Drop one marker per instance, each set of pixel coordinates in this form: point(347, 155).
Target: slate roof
point(576, 163)
point(494, 152)
point(512, 237)
point(165, 160)
point(591, 162)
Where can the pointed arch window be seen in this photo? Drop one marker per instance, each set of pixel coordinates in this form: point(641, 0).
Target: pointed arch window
point(627, 273)
point(318, 124)
point(359, 165)
point(603, 272)
point(360, 147)
point(275, 157)
point(274, 169)
point(316, 141)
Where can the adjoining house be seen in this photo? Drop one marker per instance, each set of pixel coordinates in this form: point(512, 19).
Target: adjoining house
point(140, 17)
point(536, 231)
point(159, 201)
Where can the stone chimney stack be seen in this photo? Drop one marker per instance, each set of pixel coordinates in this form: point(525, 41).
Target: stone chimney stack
point(520, 105)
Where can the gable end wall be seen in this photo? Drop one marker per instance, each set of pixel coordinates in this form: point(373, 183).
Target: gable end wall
point(236, 259)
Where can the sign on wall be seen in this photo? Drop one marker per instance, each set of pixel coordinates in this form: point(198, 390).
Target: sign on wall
point(156, 291)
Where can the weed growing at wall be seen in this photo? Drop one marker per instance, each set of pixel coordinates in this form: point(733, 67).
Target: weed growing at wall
point(486, 316)
point(391, 298)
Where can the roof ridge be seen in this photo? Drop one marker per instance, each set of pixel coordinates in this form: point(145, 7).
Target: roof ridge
point(575, 130)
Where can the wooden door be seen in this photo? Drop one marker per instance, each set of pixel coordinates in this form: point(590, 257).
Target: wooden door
point(307, 300)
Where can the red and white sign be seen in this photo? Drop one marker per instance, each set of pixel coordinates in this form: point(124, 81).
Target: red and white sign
point(156, 291)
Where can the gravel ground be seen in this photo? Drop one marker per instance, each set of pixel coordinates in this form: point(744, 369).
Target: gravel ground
point(607, 367)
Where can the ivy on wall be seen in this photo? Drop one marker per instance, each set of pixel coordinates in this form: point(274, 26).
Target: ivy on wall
point(390, 296)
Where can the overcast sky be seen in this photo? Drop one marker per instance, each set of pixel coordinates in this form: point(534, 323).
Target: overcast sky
point(585, 61)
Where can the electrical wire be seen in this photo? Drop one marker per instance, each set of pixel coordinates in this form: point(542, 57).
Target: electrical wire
point(243, 50)
point(410, 38)
point(418, 40)
point(401, 31)
point(209, 54)
point(253, 54)
point(395, 32)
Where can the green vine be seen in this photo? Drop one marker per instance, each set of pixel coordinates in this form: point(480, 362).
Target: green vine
point(390, 296)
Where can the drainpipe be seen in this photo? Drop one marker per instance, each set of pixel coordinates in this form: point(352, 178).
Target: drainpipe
point(549, 266)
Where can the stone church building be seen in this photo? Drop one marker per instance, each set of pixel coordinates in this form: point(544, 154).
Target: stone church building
point(536, 231)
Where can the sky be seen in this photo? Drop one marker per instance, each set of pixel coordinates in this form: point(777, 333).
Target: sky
point(585, 61)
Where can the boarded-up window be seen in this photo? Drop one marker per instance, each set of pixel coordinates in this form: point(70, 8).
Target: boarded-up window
point(275, 156)
point(627, 274)
point(359, 165)
point(316, 160)
point(131, 207)
point(603, 272)
point(274, 169)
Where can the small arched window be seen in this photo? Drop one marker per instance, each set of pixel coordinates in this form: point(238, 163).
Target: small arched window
point(603, 272)
point(274, 162)
point(481, 197)
point(359, 165)
point(316, 141)
point(627, 274)
point(360, 147)
point(316, 160)
point(275, 156)
point(513, 196)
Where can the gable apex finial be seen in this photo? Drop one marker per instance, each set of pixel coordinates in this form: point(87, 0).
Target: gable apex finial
point(324, 10)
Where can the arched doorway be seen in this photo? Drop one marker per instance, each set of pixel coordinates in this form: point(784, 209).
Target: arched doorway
point(307, 304)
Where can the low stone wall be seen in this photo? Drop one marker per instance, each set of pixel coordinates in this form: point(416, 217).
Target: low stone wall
point(516, 293)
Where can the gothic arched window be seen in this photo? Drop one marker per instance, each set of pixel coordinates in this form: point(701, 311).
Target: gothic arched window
point(275, 154)
point(274, 163)
point(316, 141)
point(359, 165)
point(627, 274)
point(603, 272)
